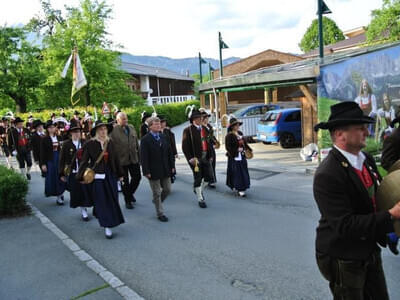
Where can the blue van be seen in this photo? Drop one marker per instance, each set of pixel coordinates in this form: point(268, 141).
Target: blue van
point(281, 126)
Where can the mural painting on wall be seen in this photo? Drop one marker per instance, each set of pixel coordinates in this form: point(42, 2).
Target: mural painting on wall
point(372, 80)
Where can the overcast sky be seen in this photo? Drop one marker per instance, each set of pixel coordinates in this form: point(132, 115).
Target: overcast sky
point(182, 28)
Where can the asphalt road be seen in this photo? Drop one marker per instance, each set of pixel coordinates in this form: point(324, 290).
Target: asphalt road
point(260, 247)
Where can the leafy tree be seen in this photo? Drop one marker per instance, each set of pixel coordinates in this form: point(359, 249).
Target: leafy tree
point(331, 34)
point(85, 28)
point(385, 23)
point(19, 68)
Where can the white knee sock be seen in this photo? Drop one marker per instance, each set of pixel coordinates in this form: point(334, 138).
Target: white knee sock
point(84, 212)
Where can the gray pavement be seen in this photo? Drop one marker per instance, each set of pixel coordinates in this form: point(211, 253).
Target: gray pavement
point(35, 264)
point(259, 247)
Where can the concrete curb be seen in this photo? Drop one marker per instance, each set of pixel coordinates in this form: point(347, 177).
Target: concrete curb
point(115, 283)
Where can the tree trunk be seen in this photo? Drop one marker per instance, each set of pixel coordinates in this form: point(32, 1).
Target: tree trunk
point(20, 105)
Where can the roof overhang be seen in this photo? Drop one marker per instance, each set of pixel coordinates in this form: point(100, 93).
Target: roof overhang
point(297, 73)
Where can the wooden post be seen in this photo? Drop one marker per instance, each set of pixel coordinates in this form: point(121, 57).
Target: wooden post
point(267, 98)
point(222, 107)
point(211, 97)
point(275, 95)
point(202, 100)
point(310, 97)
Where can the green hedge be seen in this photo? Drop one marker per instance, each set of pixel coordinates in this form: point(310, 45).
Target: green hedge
point(175, 112)
point(13, 190)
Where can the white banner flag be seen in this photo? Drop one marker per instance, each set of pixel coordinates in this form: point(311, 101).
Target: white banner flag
point(79, 79)
point(64, 72)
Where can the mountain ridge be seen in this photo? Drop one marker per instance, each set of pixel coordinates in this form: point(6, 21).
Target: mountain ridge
point(178, 65)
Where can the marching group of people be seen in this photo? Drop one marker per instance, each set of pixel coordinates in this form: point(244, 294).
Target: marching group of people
point(93, 160)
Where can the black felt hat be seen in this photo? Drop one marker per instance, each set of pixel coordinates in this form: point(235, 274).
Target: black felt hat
point(37, 123)
point(195, 114)
point(99, 124)
point(233, 122)
point(18, 120)
point(344, 113)
point(49, 123)
point(145, 115)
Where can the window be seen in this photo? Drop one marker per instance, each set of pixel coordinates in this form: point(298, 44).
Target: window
point(294, 117)
point(254, 111)
point(270, 117)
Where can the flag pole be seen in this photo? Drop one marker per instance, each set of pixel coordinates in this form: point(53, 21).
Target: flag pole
point(221, 72)
point(201, 75)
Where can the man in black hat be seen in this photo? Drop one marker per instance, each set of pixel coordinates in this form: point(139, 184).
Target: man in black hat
point(350, 227)
point(75, 119)
point(36, 138)
point(18, 138)
point(4, 128)
point(144, 128)
point(170, 136)
point(197, 152)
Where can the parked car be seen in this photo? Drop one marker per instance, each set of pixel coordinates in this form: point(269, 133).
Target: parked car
point(254, 110)
point(281, 126)
point(250, 115)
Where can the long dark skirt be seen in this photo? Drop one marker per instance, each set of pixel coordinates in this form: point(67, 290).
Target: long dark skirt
point(79, 194)
point(237, 175)
point(53, 185)
point(104, 193)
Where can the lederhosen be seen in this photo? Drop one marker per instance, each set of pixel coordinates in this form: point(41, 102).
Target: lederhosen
point(195, 145)
point(19, 141)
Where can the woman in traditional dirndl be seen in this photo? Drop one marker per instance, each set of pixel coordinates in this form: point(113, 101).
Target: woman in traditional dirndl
point(70, 158)
point(103, 189)
point(50, 147)
point(237, 175)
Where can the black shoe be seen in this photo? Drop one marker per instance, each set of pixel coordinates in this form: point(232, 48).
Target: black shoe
point(129, 205)
point(109, 236)
point(163, 218)
point(60, 203)
point(28, 176)
point(85, 219)
point(133, 199)
point(202, 204)
point(62, 198)
point(393, 247)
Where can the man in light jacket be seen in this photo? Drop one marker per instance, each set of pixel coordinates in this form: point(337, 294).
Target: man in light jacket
point(127, 147)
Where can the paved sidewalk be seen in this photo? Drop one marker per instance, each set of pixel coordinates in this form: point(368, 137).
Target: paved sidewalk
point(35, 264)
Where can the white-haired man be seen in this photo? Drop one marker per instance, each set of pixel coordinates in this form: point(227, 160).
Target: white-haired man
point(127, 147)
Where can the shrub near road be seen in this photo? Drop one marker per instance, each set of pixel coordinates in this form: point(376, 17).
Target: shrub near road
point(174, 112)
point(13, 190)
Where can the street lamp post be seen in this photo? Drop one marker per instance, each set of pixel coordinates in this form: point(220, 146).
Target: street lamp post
point(201, 61)
point(323, 9)
point(221, 46)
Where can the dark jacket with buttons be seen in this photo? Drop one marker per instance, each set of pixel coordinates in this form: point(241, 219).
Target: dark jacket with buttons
point(46, 149)
point(349, 228)
point(191, 143)
point(156, 157)
point(232, 144)
point(91, 151)
point(67, 154)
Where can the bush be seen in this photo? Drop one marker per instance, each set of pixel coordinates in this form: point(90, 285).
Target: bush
point(13, 190)
point(174, 112)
